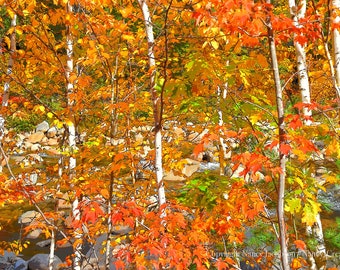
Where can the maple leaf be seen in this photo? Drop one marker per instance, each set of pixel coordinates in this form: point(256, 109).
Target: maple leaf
point(285, 148)
point(295, 122)
point(293, 205)
point(119, 264)
point(198, 149)
point(300, 244)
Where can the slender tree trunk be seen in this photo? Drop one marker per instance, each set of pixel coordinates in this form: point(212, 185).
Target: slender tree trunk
point(72, 136)
point(12, 49)
point(282, 141)
point(298, 12)
point(156, 100)
point(221, 96)
point(5, 95)
point(336, 43)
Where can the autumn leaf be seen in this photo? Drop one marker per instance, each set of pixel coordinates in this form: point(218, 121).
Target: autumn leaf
point(285, 149)
point(293, 205)
point(300, 244)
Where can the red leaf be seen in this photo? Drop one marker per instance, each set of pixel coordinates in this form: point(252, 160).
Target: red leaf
point(119, 264)
point(296, 122)
point(285, 149)
point(116, 217)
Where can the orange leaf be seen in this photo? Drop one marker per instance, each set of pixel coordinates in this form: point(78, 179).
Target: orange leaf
point(300, 244)
point(285, 148)
point(198, 149)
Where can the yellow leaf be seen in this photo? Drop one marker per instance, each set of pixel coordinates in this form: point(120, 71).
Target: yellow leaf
point(69, 123)
point(49, 115)
point(128, 37)
point(10, 12)
point(58, 123)
point(26, 12)
point(39, 109)
point(215, 44)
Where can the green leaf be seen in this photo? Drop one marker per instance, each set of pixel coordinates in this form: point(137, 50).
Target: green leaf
point(293, 205)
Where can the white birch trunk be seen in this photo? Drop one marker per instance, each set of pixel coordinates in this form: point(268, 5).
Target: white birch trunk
point(298, 12)
point(5, 95)
point(221, 96)
point(336, 44)
point(52, 247)
point(72, 137)
point(12, 49)
point(156, 103)
point(282, 140)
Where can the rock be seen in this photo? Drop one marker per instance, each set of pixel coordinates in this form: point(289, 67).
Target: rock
point(36, 137)
point(331, 197)
point(43, 127)
point(64, 202)
point(31, 180)
point(27, 145)
point(52, 132)
point(120, 229)
point(28, 217)
point(170, 176)
point(35, 147)
point(189, 170)
point(44, 243)
point(52, 142)
point(40, 262)
point(52, 152)
point(20, 265)
point(34, 234)
point(7, 260)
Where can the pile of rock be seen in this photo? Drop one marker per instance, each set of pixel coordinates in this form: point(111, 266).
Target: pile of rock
point(44, 138)
point(9, 261)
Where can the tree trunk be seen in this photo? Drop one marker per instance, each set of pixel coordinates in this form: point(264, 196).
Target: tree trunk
point(12, 49)
point(298, 12)
point(221, 96)
point(72, 136)
point(336, 43)
point(156, 100)
point(5, 95)
point(282, 141)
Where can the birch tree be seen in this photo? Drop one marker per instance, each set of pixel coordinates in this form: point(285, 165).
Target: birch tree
point(336, 43)
point(5, 95)
point(12, 49)
point(72, 132)
point(297, 11)
point(156, 102)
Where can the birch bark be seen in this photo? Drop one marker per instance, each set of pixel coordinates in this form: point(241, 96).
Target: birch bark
point(12, 49)
point(156, 102)
point(5, 95)
point(336, 43)
point(221, 96)
point(297, 12)
point(72, 135)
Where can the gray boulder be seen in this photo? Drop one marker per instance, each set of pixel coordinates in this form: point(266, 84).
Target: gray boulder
point(20, 265)
point(40, 262)
point(43, 127)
